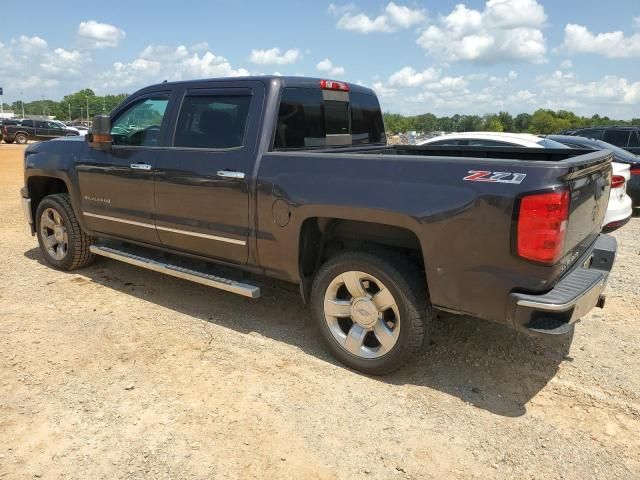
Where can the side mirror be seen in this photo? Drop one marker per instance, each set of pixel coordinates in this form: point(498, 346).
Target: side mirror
point(99, 137)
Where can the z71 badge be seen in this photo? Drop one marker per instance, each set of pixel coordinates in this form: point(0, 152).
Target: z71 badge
point(495, 177)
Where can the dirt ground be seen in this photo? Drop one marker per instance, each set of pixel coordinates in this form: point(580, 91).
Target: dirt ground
point(117, 372)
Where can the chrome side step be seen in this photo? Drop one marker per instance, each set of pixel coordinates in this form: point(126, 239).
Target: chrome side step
point(225, 284)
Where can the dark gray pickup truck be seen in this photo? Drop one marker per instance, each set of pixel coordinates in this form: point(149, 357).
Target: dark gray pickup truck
point(222, 181)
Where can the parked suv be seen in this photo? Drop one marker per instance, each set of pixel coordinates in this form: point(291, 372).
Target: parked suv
point(27, 129)
point(623, 137)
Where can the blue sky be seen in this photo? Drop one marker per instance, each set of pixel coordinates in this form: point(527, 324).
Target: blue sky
point(420, 56)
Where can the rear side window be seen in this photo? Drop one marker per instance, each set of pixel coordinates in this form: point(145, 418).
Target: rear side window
point(447, 143)
point(590, 133)
point(212, 121)
point(634, 141)
point(619, 138)
point(307, 119)
point(366, 120)
point(27, 123)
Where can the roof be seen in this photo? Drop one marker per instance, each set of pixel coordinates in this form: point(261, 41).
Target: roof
point(285, 81)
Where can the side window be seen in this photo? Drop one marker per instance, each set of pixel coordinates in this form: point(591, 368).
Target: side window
point(139, 124)
point(445, 143)
point(590, 133)
point(634, 141)
point(300, 122)
point(212, 121)
point(489, 143)
point(366, 121)
point(27, 123)
point(619, 138)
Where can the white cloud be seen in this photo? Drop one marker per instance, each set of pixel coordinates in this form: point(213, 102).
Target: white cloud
point(564, 90)
point(66, 63)
point(99, 35)
point(383, 91)
point(567, 64)
point(275, 56)
point(513, 75)
point(393, 18)
point(578, 39)
point(505, 31)
point(326, 66)
point(409, 77)
point(160, 62)
point(636, 22)
point(29, 45)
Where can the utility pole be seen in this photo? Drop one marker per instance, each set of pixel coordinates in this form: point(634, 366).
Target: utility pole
point(42, 103)
point(69, 105)
point(1, 103)
point(87, 108)
point(22, 103)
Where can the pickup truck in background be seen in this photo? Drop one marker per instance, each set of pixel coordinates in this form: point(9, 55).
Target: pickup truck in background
point(27, 129)
point(221, 181)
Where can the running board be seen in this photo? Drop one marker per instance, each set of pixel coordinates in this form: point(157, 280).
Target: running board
point(214, 281)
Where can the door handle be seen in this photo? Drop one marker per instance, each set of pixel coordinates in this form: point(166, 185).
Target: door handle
point(230, 174)
point(140, 166)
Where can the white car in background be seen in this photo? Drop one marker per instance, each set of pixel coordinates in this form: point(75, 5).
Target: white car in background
point(619, 210)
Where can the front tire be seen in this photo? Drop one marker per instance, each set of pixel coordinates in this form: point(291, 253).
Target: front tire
point(372, 310)
point(21, 138)
point(63, 243)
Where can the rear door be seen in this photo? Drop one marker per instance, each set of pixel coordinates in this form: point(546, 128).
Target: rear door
point(116, 187)
point(202, 179)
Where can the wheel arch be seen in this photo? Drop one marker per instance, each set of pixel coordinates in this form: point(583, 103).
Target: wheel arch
point(322, 237)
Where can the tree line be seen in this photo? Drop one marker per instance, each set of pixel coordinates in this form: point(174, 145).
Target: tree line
point(72, 107)
point(540, 122)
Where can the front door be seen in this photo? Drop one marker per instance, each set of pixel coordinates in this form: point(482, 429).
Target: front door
point(202, 180)
point(116, 187)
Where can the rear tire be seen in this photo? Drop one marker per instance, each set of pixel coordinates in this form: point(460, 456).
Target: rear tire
point(375, 334)
point(63, 243)
point(21, 138)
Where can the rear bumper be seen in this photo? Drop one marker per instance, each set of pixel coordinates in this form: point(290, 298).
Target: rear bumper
point(571, 298)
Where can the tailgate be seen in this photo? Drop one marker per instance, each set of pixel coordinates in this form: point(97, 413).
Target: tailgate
point(589, 182)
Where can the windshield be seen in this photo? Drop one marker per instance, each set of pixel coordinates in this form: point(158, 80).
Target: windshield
point(546, 143)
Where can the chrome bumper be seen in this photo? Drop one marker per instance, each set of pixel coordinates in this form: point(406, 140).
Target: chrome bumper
point(572, 297)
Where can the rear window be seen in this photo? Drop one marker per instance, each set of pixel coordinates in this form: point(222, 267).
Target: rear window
point(617, 137)
point(306, 120)
point(634, 141)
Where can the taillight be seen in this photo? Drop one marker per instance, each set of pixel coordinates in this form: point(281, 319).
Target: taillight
point(542, 224)
point(635, 170)
point(617, 181)
point(333, 85)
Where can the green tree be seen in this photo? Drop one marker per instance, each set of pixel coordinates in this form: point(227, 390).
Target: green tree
point(522, 122)
point(492, 123)
point(543, 121)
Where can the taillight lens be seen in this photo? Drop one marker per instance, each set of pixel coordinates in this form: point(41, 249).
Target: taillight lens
point(635, 170)
point(333, 85)
point(617, 181)
point(542, 224)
